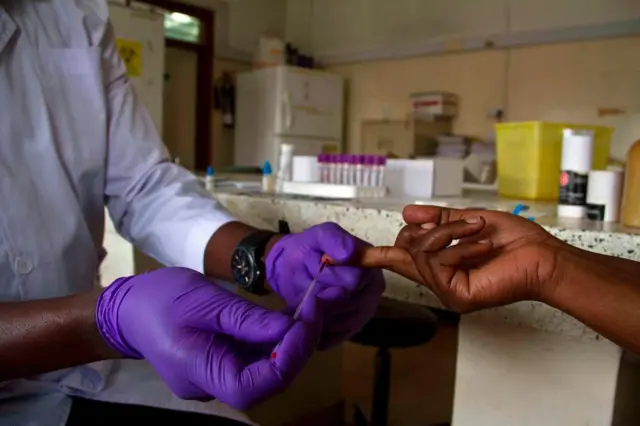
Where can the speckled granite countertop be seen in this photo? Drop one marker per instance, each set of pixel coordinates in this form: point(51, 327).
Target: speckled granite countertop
point(379, 222)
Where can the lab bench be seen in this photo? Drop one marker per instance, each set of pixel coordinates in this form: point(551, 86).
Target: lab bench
point(524, 364)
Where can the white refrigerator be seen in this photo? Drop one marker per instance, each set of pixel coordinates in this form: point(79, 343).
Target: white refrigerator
point(291, 105)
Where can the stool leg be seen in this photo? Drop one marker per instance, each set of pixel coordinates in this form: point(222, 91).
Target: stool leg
point(283, 227)
point(381, 386)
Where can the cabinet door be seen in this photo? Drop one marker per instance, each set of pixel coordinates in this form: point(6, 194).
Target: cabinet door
point(311, 102)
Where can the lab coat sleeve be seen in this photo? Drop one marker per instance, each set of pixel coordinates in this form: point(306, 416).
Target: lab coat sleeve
point(157, 205)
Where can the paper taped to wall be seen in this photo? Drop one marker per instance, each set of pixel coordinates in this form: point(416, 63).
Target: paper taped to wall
point(131, 53)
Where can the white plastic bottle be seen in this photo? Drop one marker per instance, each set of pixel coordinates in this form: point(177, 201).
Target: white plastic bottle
point(210, 179)
point(577, 156)
point(284, 165)
point(268, 182)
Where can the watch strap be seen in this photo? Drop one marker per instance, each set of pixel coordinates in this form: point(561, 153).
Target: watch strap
point(257, 242)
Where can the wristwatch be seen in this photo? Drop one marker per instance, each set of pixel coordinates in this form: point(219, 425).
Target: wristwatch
point(246, 262)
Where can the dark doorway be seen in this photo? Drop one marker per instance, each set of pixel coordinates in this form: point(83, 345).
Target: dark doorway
point(203, 47)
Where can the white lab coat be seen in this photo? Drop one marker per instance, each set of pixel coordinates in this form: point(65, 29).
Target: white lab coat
point(74, 139)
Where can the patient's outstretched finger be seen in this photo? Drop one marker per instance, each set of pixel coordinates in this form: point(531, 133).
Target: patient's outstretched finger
point(409, 233)
point(453, 256)
point(442, 236)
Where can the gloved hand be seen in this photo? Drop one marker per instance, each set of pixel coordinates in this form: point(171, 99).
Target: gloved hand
point(204, 341)
point(346, 313)
point(349, 294)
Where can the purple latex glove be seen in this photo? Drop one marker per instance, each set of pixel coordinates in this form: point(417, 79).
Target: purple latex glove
point(350, 294)
point(204, 341)
point(347, 312)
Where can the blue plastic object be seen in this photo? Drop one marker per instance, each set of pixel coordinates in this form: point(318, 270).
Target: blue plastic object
point(266, 169)
point(519, 208)
point(210, 171)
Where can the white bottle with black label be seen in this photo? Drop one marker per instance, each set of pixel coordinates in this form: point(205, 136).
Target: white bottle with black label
point(577, 156)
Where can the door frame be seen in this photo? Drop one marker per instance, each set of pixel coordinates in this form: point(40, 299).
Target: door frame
point(204, 51)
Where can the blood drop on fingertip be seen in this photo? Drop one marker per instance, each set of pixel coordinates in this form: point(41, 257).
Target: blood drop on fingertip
point(273, 355)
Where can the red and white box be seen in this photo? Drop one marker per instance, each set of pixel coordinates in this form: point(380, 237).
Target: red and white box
point(433, 104)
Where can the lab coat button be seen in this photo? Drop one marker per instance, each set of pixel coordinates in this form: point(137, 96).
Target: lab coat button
point(22, 265)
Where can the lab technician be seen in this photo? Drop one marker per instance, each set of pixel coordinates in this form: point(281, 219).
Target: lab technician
point(74, 138)
point(502, 258)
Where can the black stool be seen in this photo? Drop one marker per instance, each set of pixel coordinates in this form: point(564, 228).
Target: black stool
point(283, 227)
point(395, 325)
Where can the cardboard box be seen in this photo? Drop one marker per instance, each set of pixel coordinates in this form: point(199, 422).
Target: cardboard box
point(424, 178)
point(269, 52)
point(434, 104)
point(402, 138)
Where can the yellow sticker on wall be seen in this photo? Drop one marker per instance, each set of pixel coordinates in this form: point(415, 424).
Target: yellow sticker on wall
point(131, 53)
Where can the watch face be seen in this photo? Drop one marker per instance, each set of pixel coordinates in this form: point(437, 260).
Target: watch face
point(245, 270)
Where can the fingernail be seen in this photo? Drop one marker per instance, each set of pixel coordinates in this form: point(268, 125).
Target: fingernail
point(484, 242)
point(472, 219)
point(428, 226)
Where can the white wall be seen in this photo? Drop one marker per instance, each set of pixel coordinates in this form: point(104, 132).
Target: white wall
point(239, 23)
point(298, 20)
point(339, 31)
point(560, 60)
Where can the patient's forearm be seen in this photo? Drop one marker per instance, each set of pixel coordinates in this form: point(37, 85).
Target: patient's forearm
point(602, 292)
point(46, 335)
